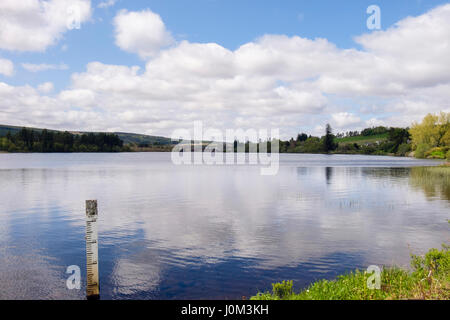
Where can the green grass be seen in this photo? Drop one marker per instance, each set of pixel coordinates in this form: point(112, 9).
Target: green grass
point(436, 153)
point(363, 139)
point(430, 279)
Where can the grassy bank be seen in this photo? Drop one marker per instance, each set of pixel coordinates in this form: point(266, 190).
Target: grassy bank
point(430, 279)
point(363, 139)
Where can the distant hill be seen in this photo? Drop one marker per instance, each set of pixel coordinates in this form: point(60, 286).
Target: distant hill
point(142, 138)
point(127, 138)
point(12, 129)
point(363, 139)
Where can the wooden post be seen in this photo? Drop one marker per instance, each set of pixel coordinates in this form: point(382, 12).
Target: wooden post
point(93, 284)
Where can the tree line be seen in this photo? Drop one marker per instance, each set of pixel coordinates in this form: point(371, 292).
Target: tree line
point(391, 141)
point(29, 140)
point(427, 139)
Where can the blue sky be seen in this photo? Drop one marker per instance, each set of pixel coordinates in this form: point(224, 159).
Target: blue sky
point(229, 24)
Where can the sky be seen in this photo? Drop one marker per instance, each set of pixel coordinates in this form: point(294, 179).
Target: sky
point(156, 66)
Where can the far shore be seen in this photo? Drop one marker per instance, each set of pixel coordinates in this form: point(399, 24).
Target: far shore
point(445, 163)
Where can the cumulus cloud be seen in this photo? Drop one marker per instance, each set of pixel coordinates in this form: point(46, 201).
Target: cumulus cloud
point(45, 87)
point(277, 81)
point(416, 50)
point(34, 25)
point(6, 67)
point(44, 67)
point(141, 32)
point(345, 119)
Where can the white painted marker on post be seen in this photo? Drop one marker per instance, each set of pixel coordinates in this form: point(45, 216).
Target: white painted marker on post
point(93, 284)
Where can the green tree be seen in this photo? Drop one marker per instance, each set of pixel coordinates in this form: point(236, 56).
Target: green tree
point(302, 137)
point(431, 130)
point(28, 140)
point(431, 133)
point(396, 137)
point(328, 142)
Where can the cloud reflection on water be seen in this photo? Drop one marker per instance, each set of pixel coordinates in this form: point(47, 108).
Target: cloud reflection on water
point(164, 229)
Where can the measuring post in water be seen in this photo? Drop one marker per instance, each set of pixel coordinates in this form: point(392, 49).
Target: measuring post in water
point(93, 285)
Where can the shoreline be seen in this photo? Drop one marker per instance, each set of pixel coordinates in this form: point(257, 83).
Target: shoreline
point(294, 153)
point(428, 280)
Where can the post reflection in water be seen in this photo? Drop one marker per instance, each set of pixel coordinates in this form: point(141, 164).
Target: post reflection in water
point(328, 174)
point(205, 232)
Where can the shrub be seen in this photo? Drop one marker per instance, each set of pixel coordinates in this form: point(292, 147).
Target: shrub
point(12, 147)
point(421, 150)
point(435, 262)
point(436, 153)
point(348, 148)
point(283, 290)
point(404, 149)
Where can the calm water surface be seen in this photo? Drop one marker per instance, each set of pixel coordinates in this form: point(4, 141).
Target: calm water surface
point(207, 232)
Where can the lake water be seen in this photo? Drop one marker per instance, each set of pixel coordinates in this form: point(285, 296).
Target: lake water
point(207, 232)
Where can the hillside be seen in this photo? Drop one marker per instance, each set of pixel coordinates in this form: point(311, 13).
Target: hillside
point(127, 138)
point(136, 138)
point(12, 129)
point(363, 139)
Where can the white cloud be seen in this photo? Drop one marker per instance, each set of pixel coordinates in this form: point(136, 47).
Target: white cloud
point(34, 25)
point(416, 51)
point(44, 67)
point(45, 87)
point(6, 67)
point(277, 81)
point(141, 32)
point(345, 119)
